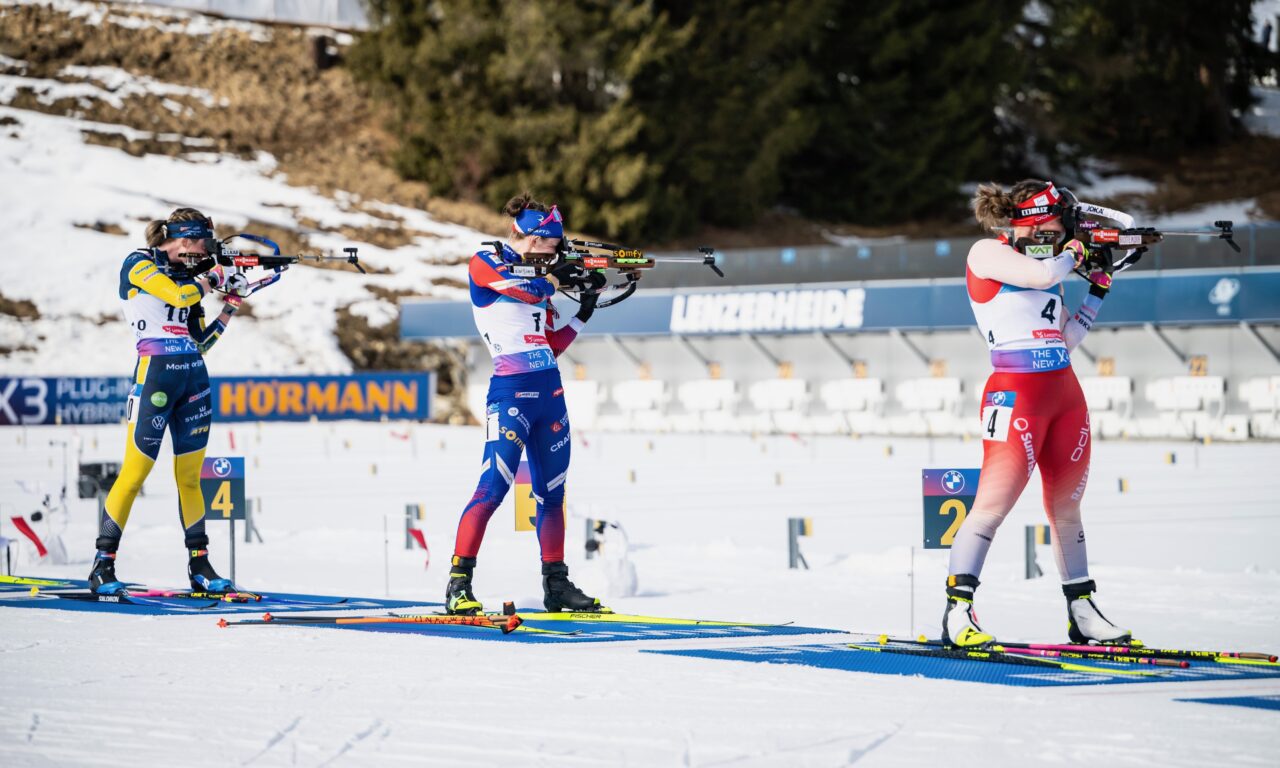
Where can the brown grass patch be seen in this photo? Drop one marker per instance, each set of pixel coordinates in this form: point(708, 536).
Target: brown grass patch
point(19, 308)
point(381, 349)
point(105, 227)
point(139, 147)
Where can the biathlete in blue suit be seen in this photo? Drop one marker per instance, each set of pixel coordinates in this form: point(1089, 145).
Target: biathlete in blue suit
point(525, 410)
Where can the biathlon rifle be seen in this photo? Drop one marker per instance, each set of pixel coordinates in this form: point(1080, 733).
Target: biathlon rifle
point(595, 257)
point(1105, 230)
point(244, 251)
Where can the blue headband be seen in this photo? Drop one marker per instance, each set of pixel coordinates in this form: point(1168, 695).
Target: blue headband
point(191, 230)
point(538, 224)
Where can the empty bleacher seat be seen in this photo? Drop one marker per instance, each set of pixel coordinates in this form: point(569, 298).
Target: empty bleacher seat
point(1187, 406)
point(582, 399)
point(641, 405)
point(1110, 400)
point(1262, 397)
point(780, 404)
point(708, 405)
point(858, 404)
point(932, 407)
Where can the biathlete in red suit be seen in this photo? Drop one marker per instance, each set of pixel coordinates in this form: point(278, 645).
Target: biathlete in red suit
point(1033, 410)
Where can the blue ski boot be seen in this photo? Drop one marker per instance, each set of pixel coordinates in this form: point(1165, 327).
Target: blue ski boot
point(102, 579)
point(203, 577)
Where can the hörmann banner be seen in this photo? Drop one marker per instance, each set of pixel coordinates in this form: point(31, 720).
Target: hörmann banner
point(1184, 297)
point(101, 399)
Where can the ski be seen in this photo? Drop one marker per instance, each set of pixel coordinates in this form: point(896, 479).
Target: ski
point(999, 657)
point(125, 598)
point(237, 597)
point(1221, 657)
point(1054, 652)
point(226, 597)
point(507, 624)
point(27, 581)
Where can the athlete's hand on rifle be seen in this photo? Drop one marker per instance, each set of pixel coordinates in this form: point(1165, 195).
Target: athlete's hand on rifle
point(1078, 250)
point(217, 277)
point(1098, 268)
point(590, 295)
point(567, 275)
point(236, 285)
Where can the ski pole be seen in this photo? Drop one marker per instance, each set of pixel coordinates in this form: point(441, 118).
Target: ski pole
point(507, 625)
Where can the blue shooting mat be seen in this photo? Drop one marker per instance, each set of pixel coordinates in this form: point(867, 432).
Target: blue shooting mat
point(1255, 702)
point(160, 606)
point(568, 631)
point(840, 656)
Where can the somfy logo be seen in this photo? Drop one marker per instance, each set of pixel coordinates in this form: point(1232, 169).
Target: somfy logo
point(1223, 293)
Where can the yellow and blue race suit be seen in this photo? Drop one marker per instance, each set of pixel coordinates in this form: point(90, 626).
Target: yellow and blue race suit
point(170, 392)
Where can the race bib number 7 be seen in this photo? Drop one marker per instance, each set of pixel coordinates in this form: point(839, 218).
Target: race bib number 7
point(997, 412)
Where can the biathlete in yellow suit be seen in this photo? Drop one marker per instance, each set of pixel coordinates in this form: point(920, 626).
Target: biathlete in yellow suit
point(171, 386)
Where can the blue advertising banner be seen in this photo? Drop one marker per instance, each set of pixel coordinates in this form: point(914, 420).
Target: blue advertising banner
point(101, 399)
point(63, 400)
point(1182, 297)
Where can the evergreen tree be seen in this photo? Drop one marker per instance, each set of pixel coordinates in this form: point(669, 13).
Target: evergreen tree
point(905, 102)
point(1149, 77)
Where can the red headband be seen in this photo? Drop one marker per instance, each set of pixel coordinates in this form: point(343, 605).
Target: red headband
point(1041, 207)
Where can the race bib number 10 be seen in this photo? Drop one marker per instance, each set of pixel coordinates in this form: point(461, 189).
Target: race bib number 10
point(997, 412)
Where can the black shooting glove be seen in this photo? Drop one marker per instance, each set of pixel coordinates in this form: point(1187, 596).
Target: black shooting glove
point(569, 274)
point(593, 282)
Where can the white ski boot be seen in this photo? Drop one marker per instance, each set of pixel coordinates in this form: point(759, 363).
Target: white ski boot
point(959, 623)
point(1085, 623)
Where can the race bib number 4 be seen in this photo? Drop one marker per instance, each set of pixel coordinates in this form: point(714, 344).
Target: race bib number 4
point(997, 412)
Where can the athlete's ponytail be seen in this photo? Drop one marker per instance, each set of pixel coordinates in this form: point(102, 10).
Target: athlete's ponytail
point(523, 202)
point(156, 228)
point(993, 207)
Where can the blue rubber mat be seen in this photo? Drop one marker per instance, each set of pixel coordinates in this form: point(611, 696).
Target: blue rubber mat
point(1254, 702)
point(842, 657)
point(180, 606)
point(585, 631)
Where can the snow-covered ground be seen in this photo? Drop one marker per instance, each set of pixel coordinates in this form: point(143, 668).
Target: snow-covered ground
point(1186, 556)
point(57, 186)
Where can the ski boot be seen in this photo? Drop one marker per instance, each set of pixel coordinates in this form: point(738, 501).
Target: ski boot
point(559, 594)
point(203, 577)
point(102, 579)
point(959, 623)
point(458, 597)
point(1085, 623)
